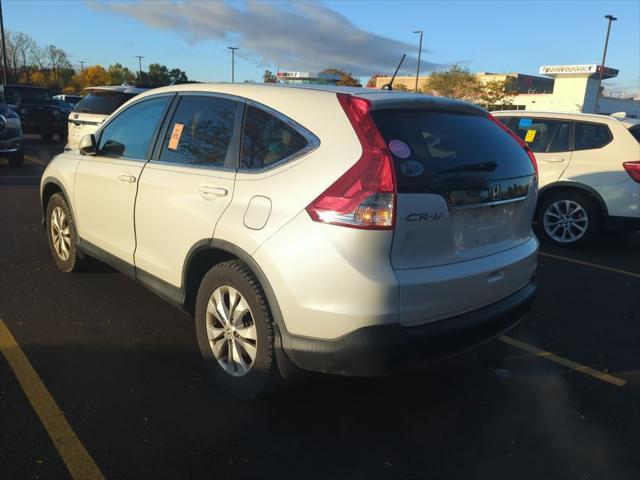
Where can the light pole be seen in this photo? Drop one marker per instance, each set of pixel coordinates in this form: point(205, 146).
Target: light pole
point(4, 49)
point(233, 61)
point(419, 53)
point(139, 57)
point(611, 19)
point(82, 62)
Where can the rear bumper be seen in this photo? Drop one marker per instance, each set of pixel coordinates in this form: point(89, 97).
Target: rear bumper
point(378, 350)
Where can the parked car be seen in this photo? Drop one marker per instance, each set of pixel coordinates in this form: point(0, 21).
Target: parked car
point(64, 106)
point(589, 172)
point(11, 143)
point(37, 111)
point(95, 107)
point(70, 99)
point(341, 230)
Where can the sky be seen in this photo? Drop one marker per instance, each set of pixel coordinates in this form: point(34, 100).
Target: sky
point(363, 37)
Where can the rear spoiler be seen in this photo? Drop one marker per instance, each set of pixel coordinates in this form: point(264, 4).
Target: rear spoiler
point(425, 102)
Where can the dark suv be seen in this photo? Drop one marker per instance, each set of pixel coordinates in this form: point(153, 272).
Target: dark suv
point(37, 111)
point(10, 135)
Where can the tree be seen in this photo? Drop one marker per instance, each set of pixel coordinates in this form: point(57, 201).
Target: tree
point(58, 61)
point(119, 75)
point(178, 76)
point(95, 76)
point(371, 83)
point(456, 82)
point(496, 92)
point(346, 79)
point(401, 87)
point(269, 77)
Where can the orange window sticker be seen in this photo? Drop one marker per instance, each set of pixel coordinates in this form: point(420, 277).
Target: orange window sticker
point(531, 134)
point(175, 136)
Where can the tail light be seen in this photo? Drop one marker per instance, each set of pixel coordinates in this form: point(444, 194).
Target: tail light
point(633, 169)
point(532, 157)
point(365, 196)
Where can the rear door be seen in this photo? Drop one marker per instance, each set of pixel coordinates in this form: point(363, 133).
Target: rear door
point(188, 184)
point(466, 189)
point(549, 139)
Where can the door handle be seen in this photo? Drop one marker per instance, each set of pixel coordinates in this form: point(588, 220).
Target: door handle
point(553, 160)
point(208, 191)
point(127, 178)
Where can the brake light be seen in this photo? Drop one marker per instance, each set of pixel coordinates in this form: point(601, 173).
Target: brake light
point(532, 157)
point(365, 196)
point(633, 169)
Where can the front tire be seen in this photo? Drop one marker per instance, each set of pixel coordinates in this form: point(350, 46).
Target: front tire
point(62, 234)
point(234, 328)
point(568, 219)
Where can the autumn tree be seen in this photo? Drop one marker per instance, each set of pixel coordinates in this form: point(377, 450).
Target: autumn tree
point(57, 62)
point(371, 83)
point(346, 79)
point(456, 82)
point(496, 92)
point(119, 75)
point(269, 77)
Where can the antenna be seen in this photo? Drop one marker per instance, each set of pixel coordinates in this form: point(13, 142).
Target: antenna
point(389, 86)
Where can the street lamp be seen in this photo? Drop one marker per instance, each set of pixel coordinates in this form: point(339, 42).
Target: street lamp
point(139, 57)
point(611, 19)
point(419, 53)
point(233, 61)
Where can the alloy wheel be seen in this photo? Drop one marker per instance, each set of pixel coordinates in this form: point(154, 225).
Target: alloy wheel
point(231, 331)
point(565, 221)
point(60, 233)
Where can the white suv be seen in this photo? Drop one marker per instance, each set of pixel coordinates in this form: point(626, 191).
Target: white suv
point(338, 230)
point(589, 172)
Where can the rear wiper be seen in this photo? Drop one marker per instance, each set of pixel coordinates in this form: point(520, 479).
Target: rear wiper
point(472, 167)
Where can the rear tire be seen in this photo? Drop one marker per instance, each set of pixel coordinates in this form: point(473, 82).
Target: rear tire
point(235, 331)
point(62, 234)
point(568, 219)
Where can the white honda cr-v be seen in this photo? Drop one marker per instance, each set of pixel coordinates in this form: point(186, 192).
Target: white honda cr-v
point(339, 230)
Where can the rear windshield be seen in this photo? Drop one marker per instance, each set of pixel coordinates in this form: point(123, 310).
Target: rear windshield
point(18, 95)
point(102, 102)
point(635, 131)
point(442, 152)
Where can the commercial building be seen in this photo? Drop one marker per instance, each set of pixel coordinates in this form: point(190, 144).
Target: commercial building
point(562, 88)
point(308, 78)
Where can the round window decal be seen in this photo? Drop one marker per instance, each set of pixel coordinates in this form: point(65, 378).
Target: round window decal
point(411, 168)
point(399, 149)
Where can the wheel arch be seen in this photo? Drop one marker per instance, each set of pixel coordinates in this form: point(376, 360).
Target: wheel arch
point(206, 253)
point(571, 186)
point(51, 186)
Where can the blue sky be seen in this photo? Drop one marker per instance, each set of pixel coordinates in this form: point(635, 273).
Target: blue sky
point(363, 36)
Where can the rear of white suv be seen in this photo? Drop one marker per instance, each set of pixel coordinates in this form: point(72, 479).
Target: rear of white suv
point(339, 230)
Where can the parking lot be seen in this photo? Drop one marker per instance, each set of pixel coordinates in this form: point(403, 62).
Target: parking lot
point(559, 398)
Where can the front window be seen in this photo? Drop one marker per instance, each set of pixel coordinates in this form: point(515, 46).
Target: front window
point(542, 135)
point(129, 134)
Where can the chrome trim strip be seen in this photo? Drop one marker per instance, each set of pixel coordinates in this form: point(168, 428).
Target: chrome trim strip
point(488, 204)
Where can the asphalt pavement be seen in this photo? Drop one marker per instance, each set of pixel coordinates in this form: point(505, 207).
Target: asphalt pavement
point(123, 368)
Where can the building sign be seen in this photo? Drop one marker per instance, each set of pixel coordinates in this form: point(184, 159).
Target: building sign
point(577, 69)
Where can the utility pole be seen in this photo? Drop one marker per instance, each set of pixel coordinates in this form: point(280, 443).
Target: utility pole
point(233, 61)
point(611, 19)
point(419, 54)
point(4, 48)
point(139, 57)
point(82, 62)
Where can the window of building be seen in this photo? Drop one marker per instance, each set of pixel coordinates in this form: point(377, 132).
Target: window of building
point(267, 140)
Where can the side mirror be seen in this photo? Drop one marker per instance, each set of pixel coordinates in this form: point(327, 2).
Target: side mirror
point(87, 145)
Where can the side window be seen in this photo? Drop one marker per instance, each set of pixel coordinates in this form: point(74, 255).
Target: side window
point(129, 134)
point(267, 140)
point(543, 135)
point(635, 131)
point(200, 131)
point(591, 135)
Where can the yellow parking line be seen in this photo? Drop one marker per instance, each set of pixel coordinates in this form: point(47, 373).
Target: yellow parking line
point(565, 362)
point(73, 453)
point(592, 265)
point(29, 157)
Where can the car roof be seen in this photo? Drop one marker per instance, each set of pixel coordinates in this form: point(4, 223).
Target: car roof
point(594, 117)
point(379, 98)
point(117, 88)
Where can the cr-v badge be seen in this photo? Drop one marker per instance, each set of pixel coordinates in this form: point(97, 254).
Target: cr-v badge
point(426, 217)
